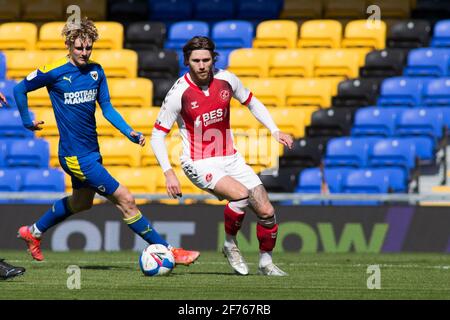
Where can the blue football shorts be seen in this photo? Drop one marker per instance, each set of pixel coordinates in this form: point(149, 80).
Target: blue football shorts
point(88, 172)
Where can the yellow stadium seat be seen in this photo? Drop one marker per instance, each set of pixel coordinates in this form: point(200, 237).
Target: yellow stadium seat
point(39, 98)
point(10, 10)
point(93, 9)
point(119, 152)
point(289, 119)
point(320, 33)
point(53, 147)
point(351, 9)
point(270, 91)
point(18, 36)
point(49, 127)
point(337, 62)
point(301, 9)
point(258, 149)
point(43, 10)
point(363, 33)
point(334, 82)
point(242, 121)
point(291, 63)
point(141, 119)
point(308, 92)
point(50, 36)
point(22, 63)
point(399, 9)
point(307, 112)
point(117, 63)
point(249, 62)
point(110, 35)
point(137, 180)
point(276, 34)
point(136, 92)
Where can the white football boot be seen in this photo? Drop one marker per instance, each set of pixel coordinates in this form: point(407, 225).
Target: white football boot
point(271, 270)
point(235, 259)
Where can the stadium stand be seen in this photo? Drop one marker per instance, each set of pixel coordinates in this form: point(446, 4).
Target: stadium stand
point(383, 63)
point(332, 65)
point(128, 11)
point(305, 9)
point(232, 34)
point(441, 34)
point(145, 35)
point(291, 63)
point(281, 34)
point(18, 36)
point(158, 64)
point(320, 33)
point(408, 34)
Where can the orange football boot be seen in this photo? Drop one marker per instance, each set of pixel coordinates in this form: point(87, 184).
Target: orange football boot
point(34, 244)
point(184, 257)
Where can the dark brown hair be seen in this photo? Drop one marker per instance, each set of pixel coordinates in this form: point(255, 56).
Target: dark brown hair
point(199, 43)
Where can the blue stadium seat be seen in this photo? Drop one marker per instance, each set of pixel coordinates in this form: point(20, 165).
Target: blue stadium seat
point(2, 66)
point(421, 122)
point(27, 152)
point(233, 34)
point(182, 68)
point(3, 146)
point(258, 9)
point(401, 91)
point(42, 180)
point(374, 121)
point(11, 124)
point(347, 152)
point(310, 181)
point(428, 62)
point(437, 92)
point(208, 10)
point(7, 87)
point(398, 181)
point(181, 32)
point(173, 10)
point(222, 59)
point(441, 36)
point(393, 152)
point(425, 149)
point(363, 181)
point(10, 180)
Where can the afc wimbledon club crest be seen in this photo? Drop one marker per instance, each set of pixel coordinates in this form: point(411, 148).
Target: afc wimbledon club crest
point(94, 75)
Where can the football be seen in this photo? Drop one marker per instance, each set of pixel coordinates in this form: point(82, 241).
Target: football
point(156, 260)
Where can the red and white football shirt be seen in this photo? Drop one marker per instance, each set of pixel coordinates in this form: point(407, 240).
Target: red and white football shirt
point(203, 114)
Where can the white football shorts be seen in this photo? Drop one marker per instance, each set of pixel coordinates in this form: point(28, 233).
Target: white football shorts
point(205, 173)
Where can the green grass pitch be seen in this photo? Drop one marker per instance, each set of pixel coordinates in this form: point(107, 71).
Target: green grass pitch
point(116, 275)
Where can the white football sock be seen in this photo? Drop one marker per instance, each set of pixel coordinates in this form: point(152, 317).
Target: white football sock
point(35, 231)
point(230, 241)
point(265, 258)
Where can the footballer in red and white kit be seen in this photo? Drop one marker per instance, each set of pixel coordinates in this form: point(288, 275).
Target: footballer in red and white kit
point(199, 102)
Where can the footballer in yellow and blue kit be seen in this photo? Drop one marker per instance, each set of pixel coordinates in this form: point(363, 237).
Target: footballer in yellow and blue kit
point(73, 92)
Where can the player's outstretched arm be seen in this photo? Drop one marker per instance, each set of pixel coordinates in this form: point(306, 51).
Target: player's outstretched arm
point(157, 141)
point(20, 95)
point(261, 113)
point(120, 124)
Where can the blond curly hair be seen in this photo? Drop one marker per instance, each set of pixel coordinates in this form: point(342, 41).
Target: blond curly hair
point(83, 31)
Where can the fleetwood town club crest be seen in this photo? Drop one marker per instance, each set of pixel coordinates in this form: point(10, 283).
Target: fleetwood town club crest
point(94, 75)
point(225, 94)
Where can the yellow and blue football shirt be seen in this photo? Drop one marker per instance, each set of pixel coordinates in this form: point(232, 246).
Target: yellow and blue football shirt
point(73, 92)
